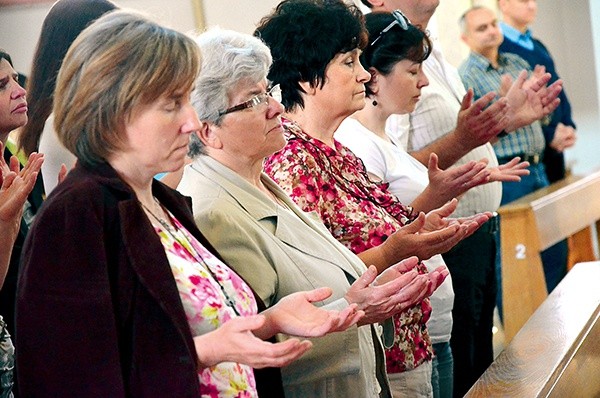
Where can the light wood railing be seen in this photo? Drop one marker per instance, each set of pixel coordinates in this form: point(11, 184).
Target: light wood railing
point(557, 352)
point(535, 222)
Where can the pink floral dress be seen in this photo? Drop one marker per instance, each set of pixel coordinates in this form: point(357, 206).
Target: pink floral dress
point(359, 213)
point(206, 285)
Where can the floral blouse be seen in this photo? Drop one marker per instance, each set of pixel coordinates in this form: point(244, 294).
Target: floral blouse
point(358, 212)
point(205, 295)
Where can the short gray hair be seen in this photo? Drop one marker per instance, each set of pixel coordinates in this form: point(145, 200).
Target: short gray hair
point(228, 58)
point(462, 21)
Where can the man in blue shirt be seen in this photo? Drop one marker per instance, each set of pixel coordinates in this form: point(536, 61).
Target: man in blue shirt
point(558, 128)
point(484, 71)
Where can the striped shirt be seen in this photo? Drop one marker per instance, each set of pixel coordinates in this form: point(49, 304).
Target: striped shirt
point(434, 117)
point(477, 72)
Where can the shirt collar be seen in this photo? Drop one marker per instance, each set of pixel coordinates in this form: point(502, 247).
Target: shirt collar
point(514, 35)
point(483, 63)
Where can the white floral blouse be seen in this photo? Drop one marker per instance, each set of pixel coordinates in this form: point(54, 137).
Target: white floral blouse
point(206, 287)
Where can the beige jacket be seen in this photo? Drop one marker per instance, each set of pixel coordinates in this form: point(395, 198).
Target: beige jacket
point(279, 250)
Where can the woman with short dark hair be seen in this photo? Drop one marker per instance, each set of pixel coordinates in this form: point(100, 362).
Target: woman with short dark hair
point(320, 89)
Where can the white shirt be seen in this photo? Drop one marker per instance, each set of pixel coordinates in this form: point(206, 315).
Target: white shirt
point(434, 117)
point(55, 154)
point(407, 178)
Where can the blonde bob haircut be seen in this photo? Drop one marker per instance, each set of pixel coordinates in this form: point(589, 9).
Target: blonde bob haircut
point(119, 63)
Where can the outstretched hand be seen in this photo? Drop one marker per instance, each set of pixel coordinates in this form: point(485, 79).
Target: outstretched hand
point(439, 218)
point(296, 315)
point(235, 341)
point(394, 290)
point(444, 185)
point(510, 172)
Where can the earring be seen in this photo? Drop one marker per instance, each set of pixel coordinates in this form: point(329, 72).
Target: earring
point(374, 102)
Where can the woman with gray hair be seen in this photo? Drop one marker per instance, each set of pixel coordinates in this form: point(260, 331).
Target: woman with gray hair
point(129, 298)
point(267, 239)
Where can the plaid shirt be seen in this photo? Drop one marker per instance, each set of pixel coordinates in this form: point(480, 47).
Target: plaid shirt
point(477, 72)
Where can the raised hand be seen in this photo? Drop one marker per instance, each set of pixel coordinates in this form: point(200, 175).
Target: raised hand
point(16, 185)
point(296, 315)
point(439, 218)
point(423, 238)
point(478, 123)
point(532, 101)
point(235, 341)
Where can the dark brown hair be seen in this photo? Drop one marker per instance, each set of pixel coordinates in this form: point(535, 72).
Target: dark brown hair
point(64, 22)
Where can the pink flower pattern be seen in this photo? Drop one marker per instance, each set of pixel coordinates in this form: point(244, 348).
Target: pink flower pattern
point(206, 308)
point(359, 213)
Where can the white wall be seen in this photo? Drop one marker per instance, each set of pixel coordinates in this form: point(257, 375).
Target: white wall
point(571, 29)
point(20, 25)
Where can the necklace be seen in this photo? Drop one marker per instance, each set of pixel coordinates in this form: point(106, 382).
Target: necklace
point(180, 237)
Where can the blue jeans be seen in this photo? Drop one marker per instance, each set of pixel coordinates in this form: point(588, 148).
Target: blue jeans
point(442, 372)
point(554, 258)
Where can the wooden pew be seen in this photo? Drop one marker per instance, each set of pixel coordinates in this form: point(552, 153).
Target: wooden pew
point(557, 352)
point(533, 223)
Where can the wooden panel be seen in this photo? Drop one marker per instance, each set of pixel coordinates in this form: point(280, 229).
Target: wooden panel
point(581, 247)
point(523, 281)
point(567, 210)
point(533, 223)
point(558, 347)
point(582, 374)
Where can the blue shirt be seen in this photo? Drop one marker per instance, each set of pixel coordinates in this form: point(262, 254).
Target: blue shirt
point(478, 73)
point(523, 39)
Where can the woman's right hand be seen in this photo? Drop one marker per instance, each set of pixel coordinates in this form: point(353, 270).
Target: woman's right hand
point(394, 290)
point(235, 341)
point(15, 186)
point(444, 185)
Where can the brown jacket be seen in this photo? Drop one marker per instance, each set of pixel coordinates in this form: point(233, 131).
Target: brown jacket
point(98, 311)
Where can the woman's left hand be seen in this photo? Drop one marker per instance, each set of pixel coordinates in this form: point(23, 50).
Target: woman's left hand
point(509, 172)
point(296, 315)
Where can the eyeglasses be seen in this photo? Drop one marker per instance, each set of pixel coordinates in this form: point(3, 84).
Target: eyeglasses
point(399, 19)
point(263, 98)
